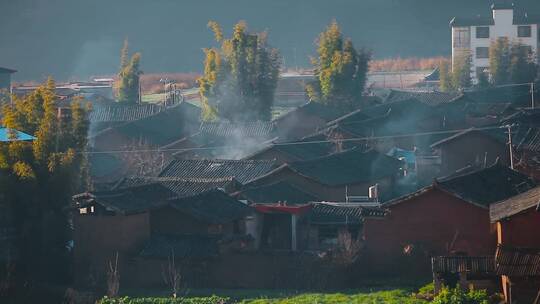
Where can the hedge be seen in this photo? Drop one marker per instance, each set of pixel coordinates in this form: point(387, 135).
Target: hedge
point(127, 300)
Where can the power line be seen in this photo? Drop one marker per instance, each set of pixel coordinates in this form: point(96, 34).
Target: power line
point(297, 142)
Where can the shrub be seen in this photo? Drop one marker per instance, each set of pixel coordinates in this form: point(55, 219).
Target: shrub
point(127, 300)
point(458, 296)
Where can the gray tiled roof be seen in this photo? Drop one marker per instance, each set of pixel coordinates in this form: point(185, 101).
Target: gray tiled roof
point(429, 98)
point(212, 206)
point(257, 129)
point(515, 205)
point(241, 170)
point(277, 192)
point(123, 113)
point(183, 187)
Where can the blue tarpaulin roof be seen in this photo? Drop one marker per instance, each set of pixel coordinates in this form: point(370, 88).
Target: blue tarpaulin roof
point(14, 135)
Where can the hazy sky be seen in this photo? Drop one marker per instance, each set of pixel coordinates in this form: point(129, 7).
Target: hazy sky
point(75, 39)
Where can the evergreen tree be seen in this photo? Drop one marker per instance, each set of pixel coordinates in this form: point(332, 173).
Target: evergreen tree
point(522, 68)
point(446, 84)
point(240, 77)
point(499, 61)
point(129, 76)
point(38, 179)
point(340, 70)
point(461, 71)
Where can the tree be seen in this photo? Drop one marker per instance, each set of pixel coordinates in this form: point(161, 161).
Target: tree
point(38, 179)
point(340, 70)
point(129, 76)
point(499, 61)
point(522, 68)
point(459, 76)
point(461, 71)
point(240, 77)
point(446, 84)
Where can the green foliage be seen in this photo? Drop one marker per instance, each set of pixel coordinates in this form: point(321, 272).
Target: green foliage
point(127, 300)
point(458, 296)
point(390, 297)
point(240, 78)
point(427, 289)
point(340, 70)
point(511, 63)
point(129, 76)
point(457, 77)
point(39, 177)
point(522, 68)
point(387, 297)
point(499, 61)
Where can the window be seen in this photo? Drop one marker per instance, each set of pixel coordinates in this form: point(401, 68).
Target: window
point(482, 32)
point(462, 37)
point(524, 31)
point(482, 52)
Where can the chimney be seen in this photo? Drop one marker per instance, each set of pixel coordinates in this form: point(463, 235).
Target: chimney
point(374, 192)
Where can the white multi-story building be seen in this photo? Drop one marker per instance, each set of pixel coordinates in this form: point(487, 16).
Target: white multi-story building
point(475, 35)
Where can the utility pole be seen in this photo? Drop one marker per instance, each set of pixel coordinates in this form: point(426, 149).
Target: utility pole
point(532, 95)
point(510, 146)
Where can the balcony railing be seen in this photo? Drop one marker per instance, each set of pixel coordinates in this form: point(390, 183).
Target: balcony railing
point(463, 264)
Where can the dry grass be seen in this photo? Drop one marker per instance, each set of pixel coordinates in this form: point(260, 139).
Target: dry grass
point(151, 85)
point(405, 64)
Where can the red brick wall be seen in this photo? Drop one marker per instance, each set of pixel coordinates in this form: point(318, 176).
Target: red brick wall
point(430, 222)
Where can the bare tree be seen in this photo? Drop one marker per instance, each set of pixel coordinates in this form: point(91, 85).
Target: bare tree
point(143, 159)
point(171, 275)
point(113, 278)
point(349, 248)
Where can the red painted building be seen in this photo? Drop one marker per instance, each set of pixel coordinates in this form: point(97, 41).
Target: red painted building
point(450, 217)
point(517, 260)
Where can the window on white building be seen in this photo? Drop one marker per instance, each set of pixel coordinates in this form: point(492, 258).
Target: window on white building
point(462, 37)
point(482, 32)
point(524, 31)
point(482, 52)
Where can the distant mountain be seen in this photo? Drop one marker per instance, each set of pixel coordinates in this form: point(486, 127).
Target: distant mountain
point(72, 39)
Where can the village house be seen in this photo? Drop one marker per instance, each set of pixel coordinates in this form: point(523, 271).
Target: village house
point(314, 226)
point(144, 225)
point(118, 132)
point(449, 217)
point(473, 36)
point(517, 259)
point(223, 140)
point(243, 171)
point(288, 152)
point(478, 147)
point(336, 176)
